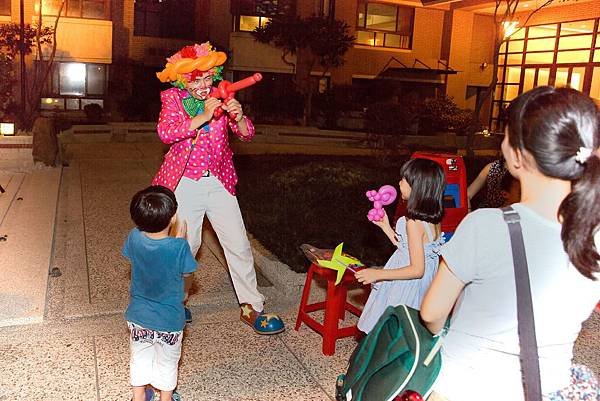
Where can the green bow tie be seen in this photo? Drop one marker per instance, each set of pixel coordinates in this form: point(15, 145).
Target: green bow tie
point(193, 106)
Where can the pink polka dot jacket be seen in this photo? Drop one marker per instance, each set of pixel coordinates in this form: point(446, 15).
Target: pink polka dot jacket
point(211, 152)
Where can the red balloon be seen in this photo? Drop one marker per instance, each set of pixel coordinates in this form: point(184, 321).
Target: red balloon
point(409, 395)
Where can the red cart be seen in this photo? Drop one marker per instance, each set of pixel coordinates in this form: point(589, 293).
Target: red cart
point(455, 195)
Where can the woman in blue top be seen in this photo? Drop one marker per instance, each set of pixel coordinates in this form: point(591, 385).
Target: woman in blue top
point(409, 271)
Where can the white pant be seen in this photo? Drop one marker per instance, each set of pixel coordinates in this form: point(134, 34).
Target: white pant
point(154, 357)
point(208, 196)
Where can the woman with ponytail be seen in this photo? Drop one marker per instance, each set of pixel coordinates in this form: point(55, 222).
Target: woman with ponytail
point(551, 147)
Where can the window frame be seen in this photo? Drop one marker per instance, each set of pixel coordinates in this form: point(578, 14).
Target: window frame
point(553, 66)
point(52, 88)
point(237, 13)
point(396, 32)
point(106, 16)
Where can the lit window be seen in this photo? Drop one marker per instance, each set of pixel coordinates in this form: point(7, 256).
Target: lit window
point(552, 54)
point(595, 87)
point(251, 14)
point(73, 85)
point(248, 23)
point(384, 25)
point(72, 79)
point(49, 103)
point(92, 9)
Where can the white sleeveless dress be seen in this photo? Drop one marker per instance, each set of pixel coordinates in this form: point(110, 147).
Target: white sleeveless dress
point(401, 292)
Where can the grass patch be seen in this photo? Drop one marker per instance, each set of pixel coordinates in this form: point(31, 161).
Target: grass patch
point(288, 200)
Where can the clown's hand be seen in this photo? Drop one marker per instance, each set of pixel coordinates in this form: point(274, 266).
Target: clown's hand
point(234, 108)
point(209, 108)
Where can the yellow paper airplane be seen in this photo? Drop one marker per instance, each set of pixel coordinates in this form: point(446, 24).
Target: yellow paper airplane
point(339, 262)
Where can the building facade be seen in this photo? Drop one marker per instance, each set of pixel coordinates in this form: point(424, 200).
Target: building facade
point(108, 50)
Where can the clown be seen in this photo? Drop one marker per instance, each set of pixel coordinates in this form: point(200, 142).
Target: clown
point(199, 169)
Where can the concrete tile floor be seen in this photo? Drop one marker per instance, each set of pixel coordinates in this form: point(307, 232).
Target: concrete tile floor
point(80, 351)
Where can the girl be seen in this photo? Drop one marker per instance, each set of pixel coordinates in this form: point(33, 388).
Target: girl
point(549, 147)
point(409, 271)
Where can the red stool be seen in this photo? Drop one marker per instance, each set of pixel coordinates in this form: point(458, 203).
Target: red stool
point(335, 307)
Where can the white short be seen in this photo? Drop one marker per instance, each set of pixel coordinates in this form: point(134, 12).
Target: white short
point(154, 357)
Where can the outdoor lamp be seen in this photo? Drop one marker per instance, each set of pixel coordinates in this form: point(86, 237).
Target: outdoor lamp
point(7, 129)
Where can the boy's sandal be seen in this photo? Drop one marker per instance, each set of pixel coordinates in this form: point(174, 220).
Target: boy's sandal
point(150, 393)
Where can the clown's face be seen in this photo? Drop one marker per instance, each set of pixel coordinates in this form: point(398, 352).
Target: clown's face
point(200, 88)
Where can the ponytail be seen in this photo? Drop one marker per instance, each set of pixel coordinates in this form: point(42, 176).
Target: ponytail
point(580, 214)
point(559, 127)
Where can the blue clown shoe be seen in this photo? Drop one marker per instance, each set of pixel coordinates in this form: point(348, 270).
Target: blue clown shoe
point(261, 323)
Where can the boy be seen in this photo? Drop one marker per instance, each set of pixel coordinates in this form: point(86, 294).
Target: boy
point(155, 314)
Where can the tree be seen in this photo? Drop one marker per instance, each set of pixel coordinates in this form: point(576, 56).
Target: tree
point(36, 36)
point(321, 41)
point(6, 84)
point(505, 18)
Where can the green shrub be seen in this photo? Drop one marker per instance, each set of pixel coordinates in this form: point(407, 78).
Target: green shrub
point(441, 114)
point(6, 84)
point(290, 200)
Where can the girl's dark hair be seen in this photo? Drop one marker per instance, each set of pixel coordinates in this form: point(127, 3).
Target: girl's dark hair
point(552, 124)
point(427, 182)
point(152, 208)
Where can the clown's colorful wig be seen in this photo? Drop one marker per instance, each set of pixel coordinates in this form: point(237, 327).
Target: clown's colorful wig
point(191, 62)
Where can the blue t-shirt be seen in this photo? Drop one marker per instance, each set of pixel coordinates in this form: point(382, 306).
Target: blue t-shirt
point(156, 291)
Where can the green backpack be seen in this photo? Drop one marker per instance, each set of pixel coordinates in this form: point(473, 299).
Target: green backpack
point(398, 354)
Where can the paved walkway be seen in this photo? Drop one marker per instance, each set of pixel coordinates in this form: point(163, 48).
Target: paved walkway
point(80, 349)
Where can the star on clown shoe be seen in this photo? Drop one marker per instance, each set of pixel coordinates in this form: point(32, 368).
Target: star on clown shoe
point(261, 322)
point(247, 311)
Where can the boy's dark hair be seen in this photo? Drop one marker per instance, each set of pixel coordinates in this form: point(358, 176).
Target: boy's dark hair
point(152, 208)
point(427, 183)
point(553, 124)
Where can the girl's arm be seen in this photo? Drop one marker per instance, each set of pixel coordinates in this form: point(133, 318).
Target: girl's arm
point(415, 232)
point(387, 229)
point(440, 298)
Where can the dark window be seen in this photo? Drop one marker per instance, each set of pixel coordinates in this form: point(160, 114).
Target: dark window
point(164, 18)
point(4, 7)
point(250, 14)
point(384, 25)
point(92, 9)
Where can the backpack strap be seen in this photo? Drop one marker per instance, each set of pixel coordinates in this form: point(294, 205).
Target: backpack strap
point(530, 368)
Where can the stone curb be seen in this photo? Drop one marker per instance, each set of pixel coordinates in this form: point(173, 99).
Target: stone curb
point(283, 278)
point(281, 275)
